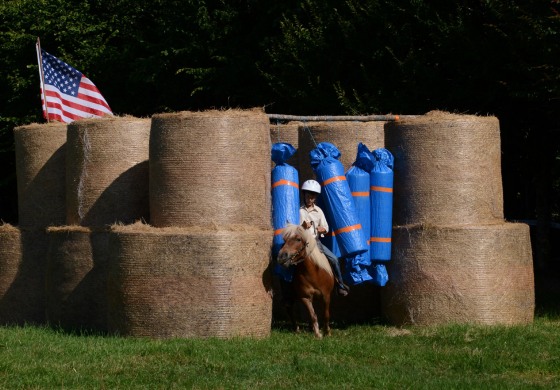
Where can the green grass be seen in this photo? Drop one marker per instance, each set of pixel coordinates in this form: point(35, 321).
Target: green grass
point(365, 356)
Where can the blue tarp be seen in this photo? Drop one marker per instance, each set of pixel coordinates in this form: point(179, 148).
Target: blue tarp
point(285, 200)
point(359, 183)
point(337, 198)
point(380, 277)
point(381, 196)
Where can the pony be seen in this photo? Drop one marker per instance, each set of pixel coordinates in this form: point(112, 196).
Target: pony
point(313, 276)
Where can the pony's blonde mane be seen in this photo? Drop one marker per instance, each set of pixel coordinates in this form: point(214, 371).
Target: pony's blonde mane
point(311, 250)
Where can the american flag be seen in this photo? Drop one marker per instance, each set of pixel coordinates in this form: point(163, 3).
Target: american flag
point(70, 95)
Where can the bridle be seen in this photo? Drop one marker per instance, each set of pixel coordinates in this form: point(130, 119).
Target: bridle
point(291, 261)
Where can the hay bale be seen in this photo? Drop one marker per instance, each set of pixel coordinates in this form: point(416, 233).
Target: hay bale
point(41, 171)
point(189, 282)
point(76, 278)
point(344, 135)
point(22, 276)
point(447, 169)
point(211, 166)
point(107, 171)
point(288, 133)
point(479, 274)
point(10, 259)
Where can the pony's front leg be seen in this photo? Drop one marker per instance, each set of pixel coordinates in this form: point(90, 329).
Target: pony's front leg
point(327, 315)
point(313, 316)
point(292, 313)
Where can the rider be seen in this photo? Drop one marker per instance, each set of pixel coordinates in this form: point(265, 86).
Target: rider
point(312, 217)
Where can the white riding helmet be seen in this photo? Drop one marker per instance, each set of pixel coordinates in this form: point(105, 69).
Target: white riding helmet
point(311, 185)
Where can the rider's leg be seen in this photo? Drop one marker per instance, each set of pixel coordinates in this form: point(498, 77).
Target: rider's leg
point(335, 265)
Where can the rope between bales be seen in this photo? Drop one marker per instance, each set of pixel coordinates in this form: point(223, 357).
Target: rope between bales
point(365, 118)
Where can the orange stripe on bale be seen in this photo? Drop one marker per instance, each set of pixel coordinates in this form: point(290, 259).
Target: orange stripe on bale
point(381, 189)
point(347, 229)
point(380, 239)
point(333, 179)
point(285, 182)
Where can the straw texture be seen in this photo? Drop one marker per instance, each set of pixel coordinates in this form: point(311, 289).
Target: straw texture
point(41, 172)
point(344, 135)
point(287, 133)
point(460, 274)
point(22, 275)
point(76, 278)
point(447, 169)
point(10, 260)
point(210, 167)
point(189, 283)
point(107, 171)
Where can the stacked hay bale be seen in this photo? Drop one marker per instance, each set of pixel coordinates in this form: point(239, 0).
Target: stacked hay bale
point(16, 306)
point(288, 133)
point(76, 278)
point(201, 269)
point(41, 172)
point(362, 303)
point(107, 171)
point(189, 282)
point(345, 135)
point(40, 169)
point(106, 183)
point(454, 258)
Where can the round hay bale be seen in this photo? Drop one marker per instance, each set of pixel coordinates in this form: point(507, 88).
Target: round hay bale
point(10, 259)
point(460, 274)
point(287, 133)
point(76, 278)
point(210, 167)
point(189, 282)
point(107, 171)
point(41, 172)
point(447, 169)
point(22, 275)
point(344, 135)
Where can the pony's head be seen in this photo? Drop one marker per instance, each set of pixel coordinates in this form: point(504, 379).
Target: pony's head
point(300, 244)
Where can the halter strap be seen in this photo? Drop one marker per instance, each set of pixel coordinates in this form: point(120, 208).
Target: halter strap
point(298, 253)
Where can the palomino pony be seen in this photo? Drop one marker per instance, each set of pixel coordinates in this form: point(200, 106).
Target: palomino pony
point(313, 276)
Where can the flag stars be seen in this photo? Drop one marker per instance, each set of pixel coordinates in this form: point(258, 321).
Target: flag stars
point(64, 98)
point(61, 75)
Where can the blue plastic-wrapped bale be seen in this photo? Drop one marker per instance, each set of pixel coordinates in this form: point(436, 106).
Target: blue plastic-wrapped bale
point(285, 198)
point(359, 183)
point(380, 277)
point(329, 240)
point(337, 198)
point(381, 196)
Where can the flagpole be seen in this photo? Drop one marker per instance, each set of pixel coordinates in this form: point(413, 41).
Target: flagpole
point(42, 76)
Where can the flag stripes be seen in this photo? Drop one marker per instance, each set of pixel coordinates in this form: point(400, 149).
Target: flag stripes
point(65, 102)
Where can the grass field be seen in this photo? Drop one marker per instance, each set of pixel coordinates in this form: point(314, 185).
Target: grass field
point(359, 356)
